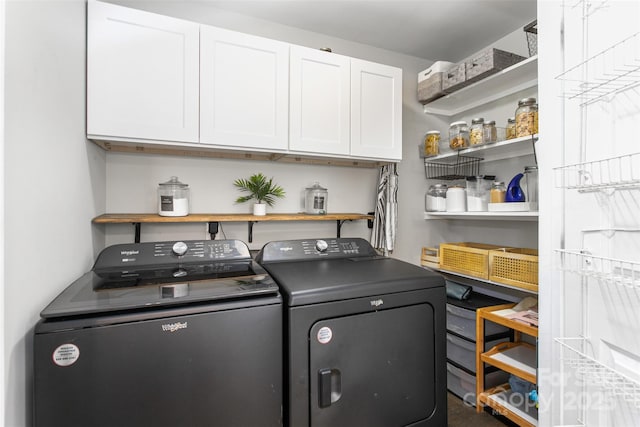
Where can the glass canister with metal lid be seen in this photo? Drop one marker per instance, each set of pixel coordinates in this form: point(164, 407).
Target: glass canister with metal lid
point(475, 131)
point(458, 135)
point(490, 131)
point(526, 117)
point(432, 143)
point(436, 198)
point(511, 128)
point(316, 198)
point(173, 198)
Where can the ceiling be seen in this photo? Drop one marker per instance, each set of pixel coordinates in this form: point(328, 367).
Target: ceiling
point(448, 30)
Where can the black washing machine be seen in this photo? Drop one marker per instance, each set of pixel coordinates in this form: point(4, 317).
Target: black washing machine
point(365, 341)
point(162, 334)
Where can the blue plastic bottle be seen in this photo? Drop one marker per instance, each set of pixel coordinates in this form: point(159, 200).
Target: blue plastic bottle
point(514, 191)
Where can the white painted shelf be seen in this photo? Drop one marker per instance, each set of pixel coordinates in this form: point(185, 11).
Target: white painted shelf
point(520, 76)
point(487, 216)
point(507, 149)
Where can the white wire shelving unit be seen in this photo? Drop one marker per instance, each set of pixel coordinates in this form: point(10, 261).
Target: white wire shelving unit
point(609, 271)
point(596, 82)
point(621, 172)
point(593, 372)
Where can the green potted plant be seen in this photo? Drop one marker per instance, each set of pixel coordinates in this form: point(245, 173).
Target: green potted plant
point(263, 190)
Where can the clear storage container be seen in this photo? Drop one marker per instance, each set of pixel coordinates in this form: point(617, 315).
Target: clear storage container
point(436, 198)
point(498, 192)
point(476, 132)
point(511, 128)
point(489, 131)
point(432, 143)
point(173, 198)
point(458, 135)
point(316, 199)
point(526, 117)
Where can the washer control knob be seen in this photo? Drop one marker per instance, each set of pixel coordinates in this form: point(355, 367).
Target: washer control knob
point(180, 248)
point(321, 245)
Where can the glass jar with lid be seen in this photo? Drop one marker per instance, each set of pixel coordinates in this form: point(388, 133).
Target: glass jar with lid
point(436, 199)
point(526, 117)
point(511, 128)
point(173, 198)
point(432, 143)
point(489, 131)
point(475, 132)
point(458, 135)
point(498, 192)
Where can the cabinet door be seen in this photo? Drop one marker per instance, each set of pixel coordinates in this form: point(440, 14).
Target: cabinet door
point(376, 110)
point(319, 101)
point(142, 75)
point(243, 90)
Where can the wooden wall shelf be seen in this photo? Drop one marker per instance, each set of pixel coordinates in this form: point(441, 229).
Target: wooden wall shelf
point(139, 218)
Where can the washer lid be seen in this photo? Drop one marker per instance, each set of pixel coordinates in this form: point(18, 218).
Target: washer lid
point(151, 275)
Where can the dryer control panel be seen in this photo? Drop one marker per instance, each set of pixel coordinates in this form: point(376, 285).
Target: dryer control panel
point(300, 250)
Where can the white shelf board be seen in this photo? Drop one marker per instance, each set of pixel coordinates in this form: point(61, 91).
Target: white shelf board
point(490, 216)
point(515, 147)
point(520, 357)
point(519, 406)
point(520, 76)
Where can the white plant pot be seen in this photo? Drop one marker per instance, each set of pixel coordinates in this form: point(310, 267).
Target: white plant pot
point(260, 209)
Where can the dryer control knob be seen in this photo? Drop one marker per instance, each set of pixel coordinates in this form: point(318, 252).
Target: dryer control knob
point(321, 245)
point(180, 248)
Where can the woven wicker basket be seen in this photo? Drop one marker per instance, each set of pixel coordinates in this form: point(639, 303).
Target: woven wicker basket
point(467, 258)
point(514, 266)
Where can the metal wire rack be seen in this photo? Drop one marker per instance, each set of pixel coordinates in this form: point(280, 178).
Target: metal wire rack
point(607, 270)
point(595, 373)
point(462, 167)
point(613, 173)
point(613, 70)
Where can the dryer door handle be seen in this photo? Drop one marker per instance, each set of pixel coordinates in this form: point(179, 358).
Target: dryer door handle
point(329, 386)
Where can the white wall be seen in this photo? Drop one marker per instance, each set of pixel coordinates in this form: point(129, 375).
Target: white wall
point(132, 180)
point(55, 179)
point(2, 368)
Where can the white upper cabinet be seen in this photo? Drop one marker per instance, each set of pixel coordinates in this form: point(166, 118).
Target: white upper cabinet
point(142, 75)
point(376, 110)
point(243, 90)
point(319, 101)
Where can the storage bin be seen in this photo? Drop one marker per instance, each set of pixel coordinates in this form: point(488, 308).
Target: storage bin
point(454, 78)
point(430, 258)
point(430, 82)
point(514, 266)
point(463, 384)
point(462, 321)
point(467, 258)
point(463, 352)
point(488, 62)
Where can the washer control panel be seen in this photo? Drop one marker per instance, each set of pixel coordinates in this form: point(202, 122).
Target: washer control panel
point(292, 250)
point(163, 253)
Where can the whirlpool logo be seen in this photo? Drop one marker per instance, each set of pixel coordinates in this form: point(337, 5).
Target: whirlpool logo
point(173, 327)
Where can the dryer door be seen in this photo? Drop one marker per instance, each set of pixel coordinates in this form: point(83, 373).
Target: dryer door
point(373, 369)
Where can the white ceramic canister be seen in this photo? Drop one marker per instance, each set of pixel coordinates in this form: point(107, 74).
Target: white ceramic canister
point(315, 200)
point(173, 198)
point(456, 199)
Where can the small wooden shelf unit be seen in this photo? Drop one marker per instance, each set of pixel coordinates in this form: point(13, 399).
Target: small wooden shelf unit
point(517, 358)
